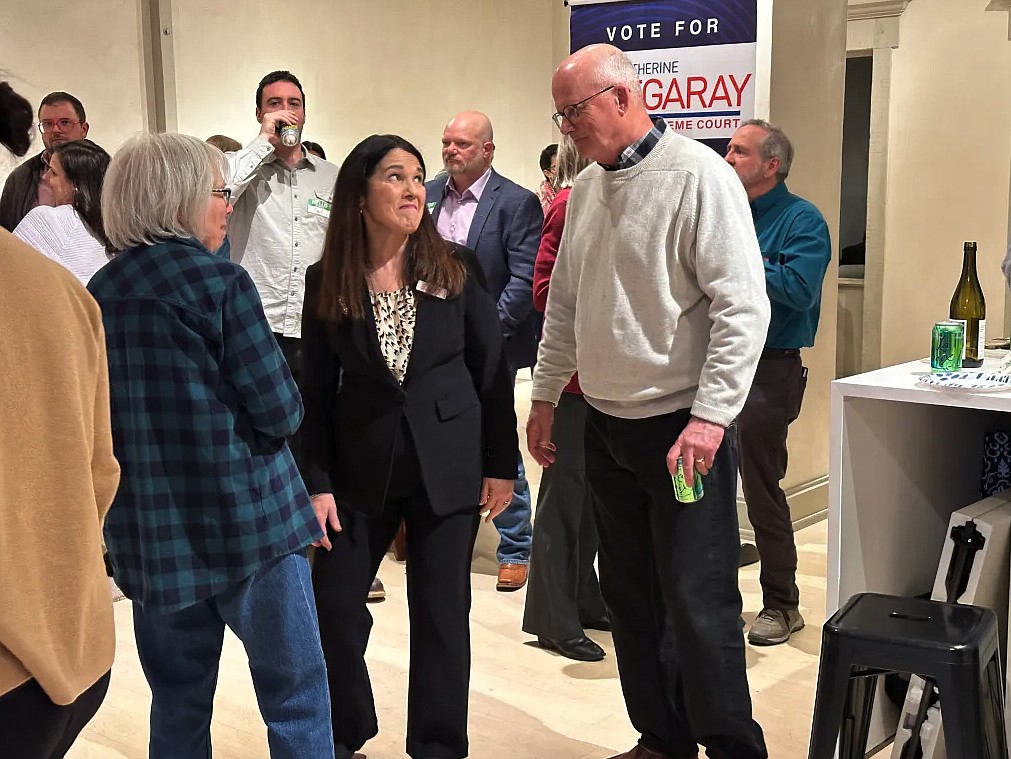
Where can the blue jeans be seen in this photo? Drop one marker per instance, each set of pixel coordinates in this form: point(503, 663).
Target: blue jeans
point(515, 532)
point(273, 613)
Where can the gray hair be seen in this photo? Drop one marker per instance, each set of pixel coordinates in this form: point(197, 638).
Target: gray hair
point(158, 187)
point(570, 163)
point(775, 145)
point(617, 68)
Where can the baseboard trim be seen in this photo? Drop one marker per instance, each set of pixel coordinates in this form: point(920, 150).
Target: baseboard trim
point(808, 503)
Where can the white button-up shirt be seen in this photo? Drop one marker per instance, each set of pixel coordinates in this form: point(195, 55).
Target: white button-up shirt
point(278, 225)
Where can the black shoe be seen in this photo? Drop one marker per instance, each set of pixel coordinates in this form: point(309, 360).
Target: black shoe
point(580, 649)
point(749, 555)
point(603, 624)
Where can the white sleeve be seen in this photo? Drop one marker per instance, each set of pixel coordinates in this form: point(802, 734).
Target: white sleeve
point(39, 230)
point(244, 164)
point(556, 355)
point(729, 269)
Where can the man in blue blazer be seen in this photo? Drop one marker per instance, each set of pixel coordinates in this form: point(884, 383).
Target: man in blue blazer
point(475, 206)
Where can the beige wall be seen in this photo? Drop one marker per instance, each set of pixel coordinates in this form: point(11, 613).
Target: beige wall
point(91, 50)
point(806, 99)
point(369, 66)
point(949, 158)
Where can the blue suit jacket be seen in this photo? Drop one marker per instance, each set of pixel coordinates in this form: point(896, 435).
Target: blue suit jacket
point(505, 234)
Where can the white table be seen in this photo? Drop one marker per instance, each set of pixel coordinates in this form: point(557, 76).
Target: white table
point(902, 458)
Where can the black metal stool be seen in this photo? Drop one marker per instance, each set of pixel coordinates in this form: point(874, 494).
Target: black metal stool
point(954, 645)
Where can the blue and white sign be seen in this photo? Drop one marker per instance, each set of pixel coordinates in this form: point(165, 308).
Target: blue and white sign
point(696, 58)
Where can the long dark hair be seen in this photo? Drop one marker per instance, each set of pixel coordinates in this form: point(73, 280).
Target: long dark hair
point(16, 119)
point(85, 163)
point(346, 249)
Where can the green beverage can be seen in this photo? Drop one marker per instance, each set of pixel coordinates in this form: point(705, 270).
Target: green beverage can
point(682, 492)
point(946, 343)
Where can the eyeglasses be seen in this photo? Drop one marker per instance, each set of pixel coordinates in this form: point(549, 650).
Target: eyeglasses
point(49, 125)
point(225, 193)
point(572, 112)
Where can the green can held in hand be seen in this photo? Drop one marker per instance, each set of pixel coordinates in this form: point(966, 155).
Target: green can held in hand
point(682, 492)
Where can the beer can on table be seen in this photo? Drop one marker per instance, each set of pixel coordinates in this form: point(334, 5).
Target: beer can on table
point(682, 492)
point(947, 340)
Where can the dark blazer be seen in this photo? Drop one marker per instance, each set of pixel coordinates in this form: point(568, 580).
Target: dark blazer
point(457, 398)
point(505, 234)
point(21, 192)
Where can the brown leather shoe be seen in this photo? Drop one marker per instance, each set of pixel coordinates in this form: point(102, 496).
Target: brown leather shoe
point(511, 577)
point(377, 592)
point(641, 752)
point(399, 544)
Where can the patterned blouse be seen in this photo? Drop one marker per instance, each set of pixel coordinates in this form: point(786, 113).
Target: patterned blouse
point(395, 314)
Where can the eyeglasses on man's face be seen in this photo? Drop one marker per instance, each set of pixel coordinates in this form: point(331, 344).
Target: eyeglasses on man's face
point(572, 112)
point(225, 193)
point(48, 125)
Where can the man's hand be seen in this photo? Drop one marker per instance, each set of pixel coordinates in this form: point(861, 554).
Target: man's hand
point(696, 447)
point(542, 416)
point(326, 512)
point(269, 122)
point(496, 495)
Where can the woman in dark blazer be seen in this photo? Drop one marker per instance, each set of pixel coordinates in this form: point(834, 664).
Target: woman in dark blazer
point(409, 415)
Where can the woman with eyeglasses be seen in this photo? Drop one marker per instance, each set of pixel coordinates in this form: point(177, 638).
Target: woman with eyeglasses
point(69, 228)
point(57, 479)
point(211, 520)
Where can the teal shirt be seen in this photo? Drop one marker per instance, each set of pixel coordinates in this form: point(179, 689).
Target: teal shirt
point(796, 249)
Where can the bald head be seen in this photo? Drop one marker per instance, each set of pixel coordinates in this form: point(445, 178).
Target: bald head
point(468, 148)
point(474, 122)
point(599, 66)
point(597, 90)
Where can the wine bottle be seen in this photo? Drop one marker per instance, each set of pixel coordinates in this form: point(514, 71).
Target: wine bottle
point(969, 307)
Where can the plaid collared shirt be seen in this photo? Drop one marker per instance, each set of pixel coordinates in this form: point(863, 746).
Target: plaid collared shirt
point(202, 406)
point(639, 149)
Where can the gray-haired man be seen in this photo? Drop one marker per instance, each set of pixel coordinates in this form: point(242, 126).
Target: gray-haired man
point(796, 249)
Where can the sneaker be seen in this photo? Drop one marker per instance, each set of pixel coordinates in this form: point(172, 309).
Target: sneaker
point(115, 592)
point(774, 626)
point(377, 592)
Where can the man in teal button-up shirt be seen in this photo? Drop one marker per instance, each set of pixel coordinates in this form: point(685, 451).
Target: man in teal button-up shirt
point(796, 249)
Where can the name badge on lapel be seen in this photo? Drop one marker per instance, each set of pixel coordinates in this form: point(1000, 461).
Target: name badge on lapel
point(435, 292)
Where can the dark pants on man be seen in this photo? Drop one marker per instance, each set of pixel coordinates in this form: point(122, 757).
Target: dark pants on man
point(773, 403)
point(668, 572)
point(562, 593)
point(439, 553)
point(291, 347)
point(33, 727)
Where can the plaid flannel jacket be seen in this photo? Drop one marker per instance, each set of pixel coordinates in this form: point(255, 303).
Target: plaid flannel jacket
point(202, 406)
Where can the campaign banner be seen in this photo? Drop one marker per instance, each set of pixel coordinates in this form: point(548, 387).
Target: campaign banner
point(696, 58)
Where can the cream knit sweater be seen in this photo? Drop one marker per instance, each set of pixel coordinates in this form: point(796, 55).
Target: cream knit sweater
point(658, 296)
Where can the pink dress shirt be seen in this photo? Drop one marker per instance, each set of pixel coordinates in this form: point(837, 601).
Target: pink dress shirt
point(457, 213)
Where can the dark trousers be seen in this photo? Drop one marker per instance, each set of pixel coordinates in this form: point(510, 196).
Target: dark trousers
point(562, 591)
point(33, 727)
point(291, 347)
point(773, 403)
point(439, 553)
point(668, 572)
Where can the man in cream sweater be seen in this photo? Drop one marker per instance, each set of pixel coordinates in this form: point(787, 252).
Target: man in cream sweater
point(658, 298)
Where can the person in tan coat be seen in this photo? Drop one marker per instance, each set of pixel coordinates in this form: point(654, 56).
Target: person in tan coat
point(58, 476)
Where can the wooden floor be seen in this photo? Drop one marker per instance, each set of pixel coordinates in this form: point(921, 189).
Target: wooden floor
point(525, 703)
